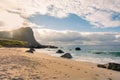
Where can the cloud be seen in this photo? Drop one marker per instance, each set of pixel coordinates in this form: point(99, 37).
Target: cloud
point(11, 15)
point(10, 21)
point(1, 23)
point(47, 36)
point(99, 13)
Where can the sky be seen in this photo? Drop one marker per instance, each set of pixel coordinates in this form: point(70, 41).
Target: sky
point(84, 22)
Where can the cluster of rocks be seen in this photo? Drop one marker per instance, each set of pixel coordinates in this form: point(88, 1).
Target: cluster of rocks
point(67, 55)
point(112, 66)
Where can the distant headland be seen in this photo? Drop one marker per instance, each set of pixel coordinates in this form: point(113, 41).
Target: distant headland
point(22, 37)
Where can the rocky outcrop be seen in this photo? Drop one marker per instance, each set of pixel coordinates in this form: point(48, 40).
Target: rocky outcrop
point(112, 66)
point(67, 55)
point(25, 34)
point(31, 50)
point(77, 49)
point(22, 34)
point(60, 51)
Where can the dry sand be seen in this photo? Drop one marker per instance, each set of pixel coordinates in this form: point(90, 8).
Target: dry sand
point(16, 64)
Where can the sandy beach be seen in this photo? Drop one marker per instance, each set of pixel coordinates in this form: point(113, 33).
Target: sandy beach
point(16, 64)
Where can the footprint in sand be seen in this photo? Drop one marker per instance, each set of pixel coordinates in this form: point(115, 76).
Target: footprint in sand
point(54, 62)
point(56, 71)
point(46, 79)
point(59, 63)
point(71, 67)
point(3, 70)
point(15, 67)
point(66, 75)
point(35, 77)
point(8, 73)
point(92, 67)
point(110, 73)
point(78, 69)
point(17, 78)
point(96, 74)
point(4, 77)
point(85, 71)
point(66, 65)
point(43, 58)
point(95, 78)
point(54, 77)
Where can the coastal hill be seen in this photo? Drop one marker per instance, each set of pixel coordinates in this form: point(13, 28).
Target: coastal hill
point(22, 34)
point(25, 34)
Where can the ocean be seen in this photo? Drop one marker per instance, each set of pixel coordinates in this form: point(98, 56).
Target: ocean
point(89, 53)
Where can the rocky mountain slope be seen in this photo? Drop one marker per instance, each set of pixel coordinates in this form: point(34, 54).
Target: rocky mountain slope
point(22, 34)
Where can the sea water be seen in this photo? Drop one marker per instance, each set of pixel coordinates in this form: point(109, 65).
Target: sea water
point(89, 53)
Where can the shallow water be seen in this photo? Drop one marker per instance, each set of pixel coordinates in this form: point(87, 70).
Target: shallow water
point(89, 53)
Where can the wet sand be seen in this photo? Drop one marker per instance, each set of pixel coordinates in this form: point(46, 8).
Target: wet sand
point(16, 64)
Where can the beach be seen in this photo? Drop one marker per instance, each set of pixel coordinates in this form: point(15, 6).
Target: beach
point(17, 64)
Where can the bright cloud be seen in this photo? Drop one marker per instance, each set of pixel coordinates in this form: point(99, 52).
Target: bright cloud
point(11, 15)
point(10, 21)
point(47, 36)
point(98, 12)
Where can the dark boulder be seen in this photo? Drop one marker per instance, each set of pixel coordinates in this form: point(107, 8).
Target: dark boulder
point(77, 49)
point(101, 65)
point(112, 66)
point(67, 55)
point(59, 51)
point(31, 50)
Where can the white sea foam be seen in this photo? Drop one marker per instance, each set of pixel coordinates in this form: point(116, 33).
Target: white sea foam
point(85, 55)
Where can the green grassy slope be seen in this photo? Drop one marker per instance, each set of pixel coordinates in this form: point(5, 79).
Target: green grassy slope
point(13, 43)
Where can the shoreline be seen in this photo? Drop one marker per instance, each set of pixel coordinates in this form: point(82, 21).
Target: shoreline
point(16, 63)
point(92, 58)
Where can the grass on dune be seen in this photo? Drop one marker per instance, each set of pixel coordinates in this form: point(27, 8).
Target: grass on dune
point(13, 43)
point(0, 46)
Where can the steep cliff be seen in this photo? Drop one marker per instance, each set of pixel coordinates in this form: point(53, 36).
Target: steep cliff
point(22, 34)
point(25, 34)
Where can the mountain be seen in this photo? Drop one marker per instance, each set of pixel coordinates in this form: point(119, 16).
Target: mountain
point(22, 34)
point(19, 37)
point(25, 34)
